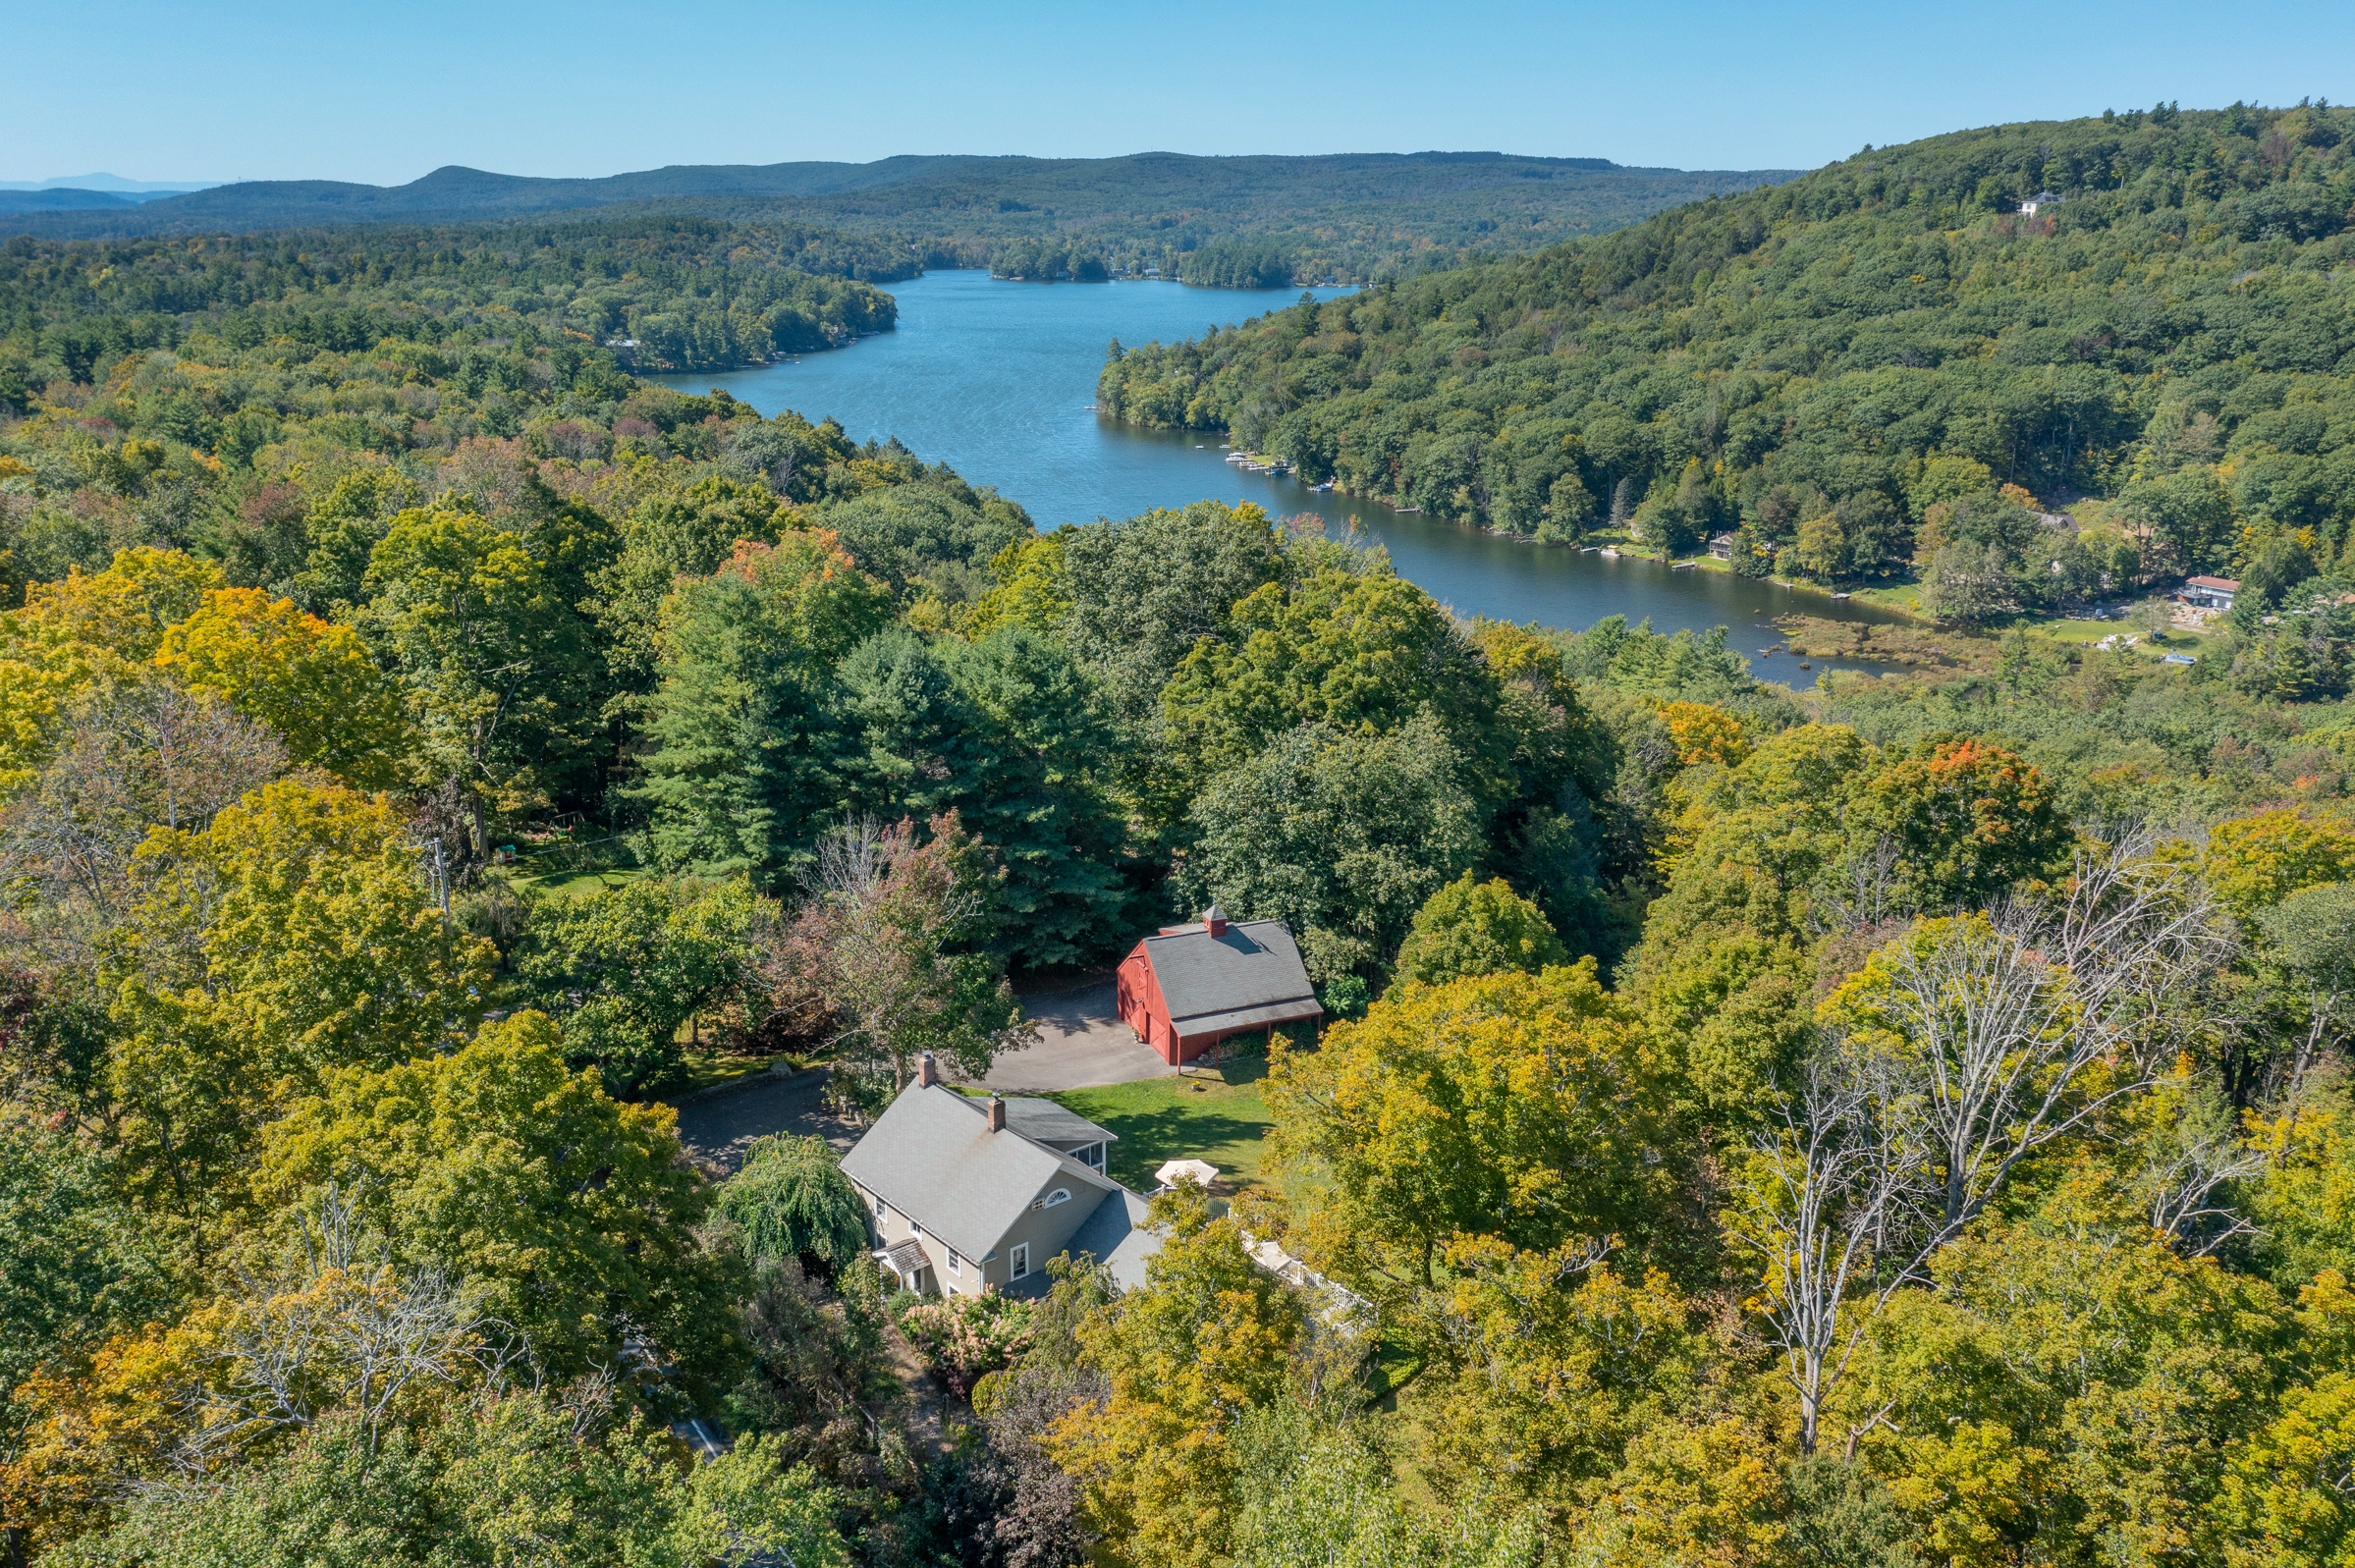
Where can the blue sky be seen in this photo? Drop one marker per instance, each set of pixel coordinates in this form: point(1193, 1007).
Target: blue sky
point(268, 89)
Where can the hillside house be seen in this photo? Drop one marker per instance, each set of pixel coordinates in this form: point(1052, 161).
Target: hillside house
point(2211, 593)
point(1721, 546)
point(2043, 198)
point(965, 1195)
point(1192, 986)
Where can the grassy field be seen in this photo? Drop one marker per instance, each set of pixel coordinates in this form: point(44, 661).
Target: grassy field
point(1212, 1113)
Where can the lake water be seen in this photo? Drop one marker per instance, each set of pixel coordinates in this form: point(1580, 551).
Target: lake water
point(998, 379)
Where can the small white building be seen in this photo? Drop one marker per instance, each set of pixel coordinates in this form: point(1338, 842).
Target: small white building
point(2043, 198)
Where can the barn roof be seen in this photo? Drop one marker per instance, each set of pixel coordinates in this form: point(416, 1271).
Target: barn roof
point(1249, 973)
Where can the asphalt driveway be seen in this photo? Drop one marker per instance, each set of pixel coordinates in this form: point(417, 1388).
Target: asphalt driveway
point(718, 1128)
point(1082, 1043)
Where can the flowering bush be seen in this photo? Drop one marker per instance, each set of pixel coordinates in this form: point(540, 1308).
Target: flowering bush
point(964, 1337)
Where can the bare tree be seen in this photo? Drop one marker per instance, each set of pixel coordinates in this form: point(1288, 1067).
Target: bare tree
point(1990, 1038)
point(1832, 1209)
point(2001, 1021)
point(136, 755)
point(2309, 961)
point(2185, 1183)
point(332, 1332)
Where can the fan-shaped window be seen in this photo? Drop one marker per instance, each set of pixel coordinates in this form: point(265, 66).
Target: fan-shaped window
point(1058, 1195)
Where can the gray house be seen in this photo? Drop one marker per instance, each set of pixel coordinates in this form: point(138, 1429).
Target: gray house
point(965, 1195)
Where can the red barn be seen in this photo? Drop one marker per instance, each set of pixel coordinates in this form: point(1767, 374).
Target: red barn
point(1190, 987)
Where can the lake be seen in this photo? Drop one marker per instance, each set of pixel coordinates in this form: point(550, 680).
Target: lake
point(998, 379)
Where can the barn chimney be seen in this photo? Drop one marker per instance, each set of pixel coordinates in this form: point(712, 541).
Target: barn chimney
point(927, 1071)
point(997, 1113)
point(1214, 920)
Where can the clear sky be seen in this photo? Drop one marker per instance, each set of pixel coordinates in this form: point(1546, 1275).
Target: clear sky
point(383, 93)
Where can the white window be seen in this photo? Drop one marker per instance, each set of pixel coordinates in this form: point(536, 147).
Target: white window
point(913, 1229)
point(1058, 1195)
point(956, 1264)
point(1019, 1265)
point(883, 1211)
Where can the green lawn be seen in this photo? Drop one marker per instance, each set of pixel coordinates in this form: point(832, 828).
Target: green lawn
point(571, 871)
point(1196, 1117)
point(706, 1069)
point(2178, 641)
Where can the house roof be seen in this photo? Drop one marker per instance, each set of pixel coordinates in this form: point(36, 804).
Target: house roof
point(929, 1157)
point(1115, 1235)
point(2227, 584)
point(1252, 968)
point(1046, 1121)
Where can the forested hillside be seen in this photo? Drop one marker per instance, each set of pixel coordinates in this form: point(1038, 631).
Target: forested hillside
point(1350, 216)
point(676, 293)
point(1850, 368)
point(1905, 1123)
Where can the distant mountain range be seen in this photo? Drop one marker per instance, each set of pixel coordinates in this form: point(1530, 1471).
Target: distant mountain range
point(85, 192)
point(903, 186)
point(111, 181)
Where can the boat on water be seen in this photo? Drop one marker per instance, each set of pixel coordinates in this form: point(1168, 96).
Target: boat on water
point(1610, 553)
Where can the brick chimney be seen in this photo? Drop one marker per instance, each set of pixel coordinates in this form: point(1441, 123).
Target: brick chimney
point(926, 1070)
point(1214, 920)
point(997, 1113)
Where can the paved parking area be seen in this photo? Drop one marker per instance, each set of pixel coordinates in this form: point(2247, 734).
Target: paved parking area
point(1081, 1044)
point(718, 1128)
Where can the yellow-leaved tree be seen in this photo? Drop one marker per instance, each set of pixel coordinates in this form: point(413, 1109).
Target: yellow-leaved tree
point(297, 934)
point(566, 1216)
point(309, 679)
point(87, 627)
point(1522, 1107)
point(1204, 1343)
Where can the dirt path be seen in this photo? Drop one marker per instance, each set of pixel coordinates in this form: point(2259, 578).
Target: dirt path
point(931, 1406)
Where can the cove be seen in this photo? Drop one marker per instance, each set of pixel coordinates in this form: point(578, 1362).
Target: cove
point(998, 379)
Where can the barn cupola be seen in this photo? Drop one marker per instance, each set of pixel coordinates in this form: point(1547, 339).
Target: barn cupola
point(1214, 921)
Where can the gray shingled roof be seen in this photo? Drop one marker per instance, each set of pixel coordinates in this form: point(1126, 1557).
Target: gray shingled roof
point(1253, 965)
point(1115, 1235)
point(1046, 1121)
point(929, 1157)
